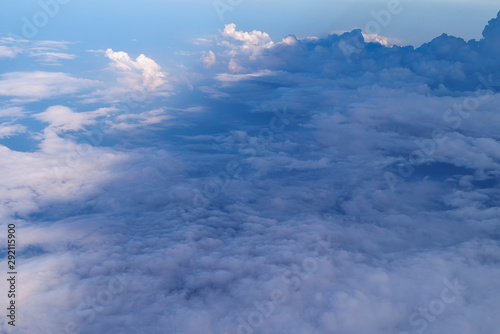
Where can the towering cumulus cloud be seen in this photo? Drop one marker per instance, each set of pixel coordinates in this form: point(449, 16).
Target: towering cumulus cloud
point(339, 184)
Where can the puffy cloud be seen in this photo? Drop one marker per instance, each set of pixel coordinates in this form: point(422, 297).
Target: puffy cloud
point(209, 59)
point(150, 72)
point(48, 52)
point(492, 30)
point(234, 67)
point(62, 118)
point(441, 61)
point(385, 41)
point(251, 43)
point(248, 38)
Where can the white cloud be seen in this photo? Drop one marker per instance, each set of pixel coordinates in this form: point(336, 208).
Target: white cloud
point(203, 41)
point(10, 47)
point(35, 86)
point(151, 75)
point(233, 66)
point(385, 41)
point(6, 52)
point(249, 43)
point(62, 118)
point(208, 59)
point(52, 58)
point(140, 120)
point(225, 77)
point(9, 130)
point(46, 52)
point(254, 37)
point(13, 112)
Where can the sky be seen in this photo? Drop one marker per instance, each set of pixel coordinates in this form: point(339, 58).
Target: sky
point(250, 167)
point(173, 22)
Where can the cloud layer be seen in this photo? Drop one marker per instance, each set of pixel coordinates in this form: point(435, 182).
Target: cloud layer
point(325, 185)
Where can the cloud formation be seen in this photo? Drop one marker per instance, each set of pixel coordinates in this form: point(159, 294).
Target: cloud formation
point(330, 185)
point(39, 85)
point(151, 74)
point(45, 52)
point(8, 130)
point(63, 119)
point(209, 59)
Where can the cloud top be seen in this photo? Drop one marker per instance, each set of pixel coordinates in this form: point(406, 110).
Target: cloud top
point(152, 76)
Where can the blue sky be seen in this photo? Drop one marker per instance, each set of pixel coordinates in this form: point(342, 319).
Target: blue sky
point(327, 167)
point(174, 22)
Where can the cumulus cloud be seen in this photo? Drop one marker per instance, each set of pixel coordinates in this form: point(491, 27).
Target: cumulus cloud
point(151, 75)
point(385, 41)
point(441, 61)
point(209, 59)
point(248, 38)
point(251, 43)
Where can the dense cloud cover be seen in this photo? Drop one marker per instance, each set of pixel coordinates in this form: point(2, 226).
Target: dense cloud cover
point(316, 185)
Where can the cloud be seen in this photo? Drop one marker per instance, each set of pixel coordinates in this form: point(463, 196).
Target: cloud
point(35, 86)
point(254, 37)
point(9, 130)
point(202, 41)
point(385, 41)
point(12, 112)
point(10, 47)
point(140, 120)
point(48, 52)
point(6, 52)
point(45, 52)
point(240, 77)
point(271, 211)
point(151, 75)
point(62, 119)
point(208, 59)
point(440, 61)
point(234, 67)
point(251, 43)
point(52, 58)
